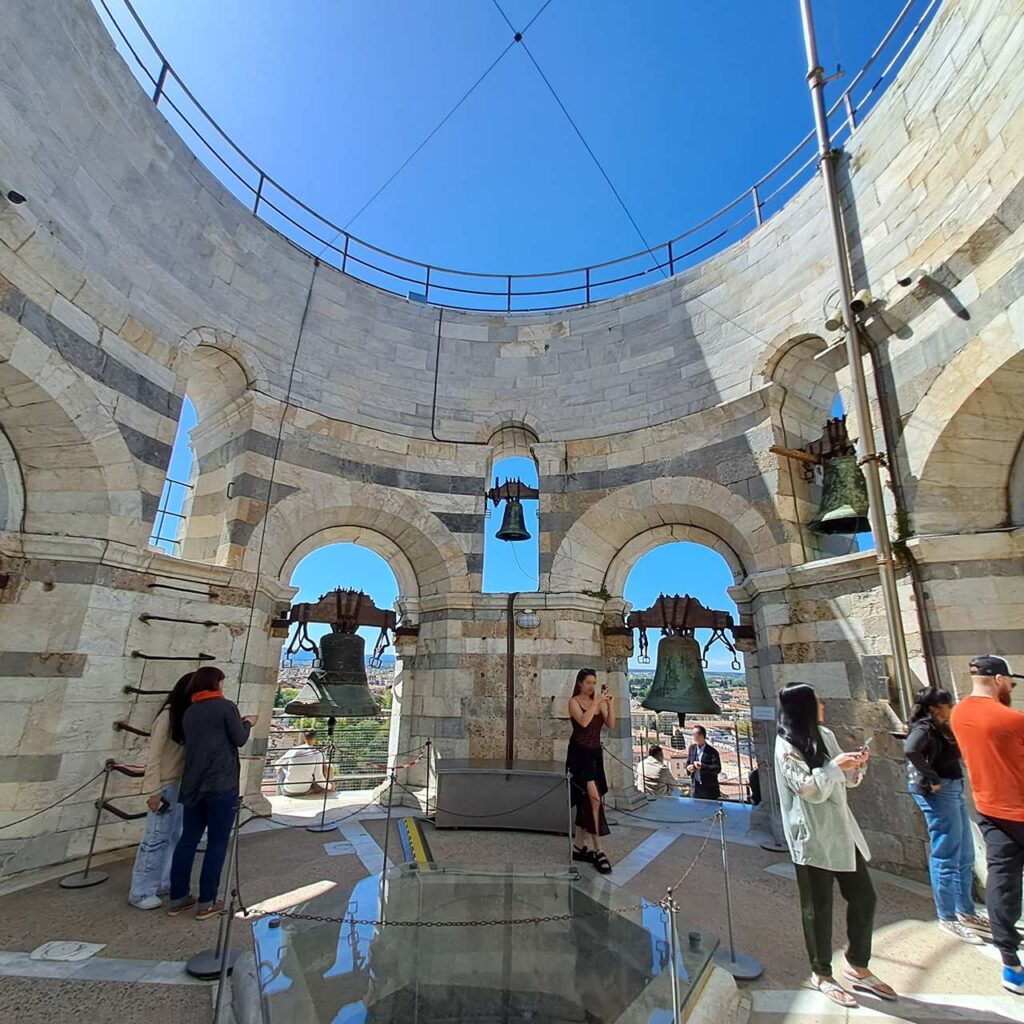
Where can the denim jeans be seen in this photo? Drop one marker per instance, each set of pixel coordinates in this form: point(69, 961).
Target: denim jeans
point(951, 862)
point(152, 871)
point(214, 812)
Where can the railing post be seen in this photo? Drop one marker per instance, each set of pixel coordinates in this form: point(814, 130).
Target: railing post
point(588, 284)
point(671, 273)
point(161, 78)
point(508, 293)
point(344, 255)
point(757, 205)
point(426, 288)
point(851, 113)
point(259, 193)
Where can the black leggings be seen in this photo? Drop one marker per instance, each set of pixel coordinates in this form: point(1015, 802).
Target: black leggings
point(816, 886)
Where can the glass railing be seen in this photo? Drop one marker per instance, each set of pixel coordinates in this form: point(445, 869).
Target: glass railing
point(494, 943)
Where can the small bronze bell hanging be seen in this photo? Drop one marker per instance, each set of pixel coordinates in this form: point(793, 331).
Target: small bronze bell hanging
point(339, 688)
point(513, 522)
point(679, 684)
point(844, 498)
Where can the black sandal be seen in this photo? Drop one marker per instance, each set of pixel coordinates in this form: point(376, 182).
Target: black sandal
point(601, 862)
point(582, 853)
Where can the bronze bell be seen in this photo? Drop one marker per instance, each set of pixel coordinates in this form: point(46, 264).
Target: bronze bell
point(339, 687)
point(844, 498)
point(679, 684)
point(513, 522)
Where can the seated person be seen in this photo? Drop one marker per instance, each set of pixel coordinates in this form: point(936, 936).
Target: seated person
point(654, 777)
point(301, 769)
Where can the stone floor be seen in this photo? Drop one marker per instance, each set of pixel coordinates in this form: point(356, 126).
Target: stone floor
point(138, 975)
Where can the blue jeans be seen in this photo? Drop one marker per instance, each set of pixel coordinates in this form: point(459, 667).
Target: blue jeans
point(951, 862)
point(214, 812)
point(152, 871)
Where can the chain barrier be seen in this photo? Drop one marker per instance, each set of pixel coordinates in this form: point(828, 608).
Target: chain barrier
point(56, 803)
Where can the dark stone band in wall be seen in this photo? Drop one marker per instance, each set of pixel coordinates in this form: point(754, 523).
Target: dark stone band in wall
point(88, 358)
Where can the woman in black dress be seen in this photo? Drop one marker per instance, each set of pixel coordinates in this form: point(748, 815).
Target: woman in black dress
point(589, 712)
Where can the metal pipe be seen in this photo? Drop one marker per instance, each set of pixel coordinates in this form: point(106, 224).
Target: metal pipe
point(869, 457)
point(671, 907)
point(510, 677)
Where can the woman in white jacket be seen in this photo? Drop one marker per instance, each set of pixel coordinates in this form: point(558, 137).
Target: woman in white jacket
point(166, 761)
point(825, 841)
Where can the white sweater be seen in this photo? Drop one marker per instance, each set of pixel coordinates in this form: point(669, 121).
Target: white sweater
point(821, 830)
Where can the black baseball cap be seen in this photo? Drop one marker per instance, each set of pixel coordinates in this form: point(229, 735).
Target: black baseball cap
point(990, 665)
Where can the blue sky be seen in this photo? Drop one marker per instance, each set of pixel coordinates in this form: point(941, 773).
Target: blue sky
point(685, 104)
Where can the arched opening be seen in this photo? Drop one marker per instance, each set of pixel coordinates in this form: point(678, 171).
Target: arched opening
point(169, 525)
point(190, 518)
point(12, 487)
point(512, 565)
point(360, 745)
point(686, 567)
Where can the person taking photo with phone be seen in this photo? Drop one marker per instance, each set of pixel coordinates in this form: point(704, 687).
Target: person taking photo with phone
point(827, 846)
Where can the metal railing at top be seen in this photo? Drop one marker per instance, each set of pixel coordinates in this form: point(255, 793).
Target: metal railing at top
point(169, 516)
point(459, 289)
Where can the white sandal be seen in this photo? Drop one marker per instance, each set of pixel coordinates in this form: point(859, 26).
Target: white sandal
point(871, 985)
point(831, 989)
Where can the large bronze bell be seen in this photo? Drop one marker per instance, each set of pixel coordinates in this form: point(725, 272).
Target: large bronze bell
point(513, 522)
point(339, 688)
point(679, 684)
point(844, 498)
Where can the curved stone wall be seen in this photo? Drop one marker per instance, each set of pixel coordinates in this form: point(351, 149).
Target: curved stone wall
point(131, 275)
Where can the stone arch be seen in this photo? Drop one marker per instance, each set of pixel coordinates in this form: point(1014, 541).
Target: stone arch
point(219, 371)
point(521, 420)
point(431, 560)
point(12, 487)
point(627, 556)
point(77, 472)
point(381, 544)
point(963, 439)
point(591, 548)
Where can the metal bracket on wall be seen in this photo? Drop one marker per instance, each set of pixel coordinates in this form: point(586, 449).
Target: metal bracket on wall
point(173, 657)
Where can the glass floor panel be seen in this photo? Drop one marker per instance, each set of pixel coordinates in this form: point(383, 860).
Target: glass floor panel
point(579, 950)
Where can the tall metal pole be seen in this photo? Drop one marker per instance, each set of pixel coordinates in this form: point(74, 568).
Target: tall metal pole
point(510, 677)
point(869, 456)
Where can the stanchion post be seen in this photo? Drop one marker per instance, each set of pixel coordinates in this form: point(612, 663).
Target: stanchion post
point(323, 825)
point(219, 961)
point(387, 837)
point(426, 808)
point(739, 965)
point(670, 907)
point(85, 879)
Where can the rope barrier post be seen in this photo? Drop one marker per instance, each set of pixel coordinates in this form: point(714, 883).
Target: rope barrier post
point(741, 966)
point(669, 905)
point(572, 824)
point(430, 764)
point(387, 837)
point(323, 825)
point(220, 961)
point(85, 879)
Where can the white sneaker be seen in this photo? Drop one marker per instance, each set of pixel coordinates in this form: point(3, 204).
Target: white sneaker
point(962, 932)
point(147, 903)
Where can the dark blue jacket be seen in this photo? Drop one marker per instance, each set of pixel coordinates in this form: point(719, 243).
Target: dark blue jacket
point(214, 731)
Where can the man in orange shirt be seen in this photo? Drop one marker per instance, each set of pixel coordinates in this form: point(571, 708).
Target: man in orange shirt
point(991, 739)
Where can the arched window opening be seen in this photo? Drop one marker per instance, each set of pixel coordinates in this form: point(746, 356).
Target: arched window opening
point(688, 568)
point(171, 515)
point(359, 746)
point(512, 565)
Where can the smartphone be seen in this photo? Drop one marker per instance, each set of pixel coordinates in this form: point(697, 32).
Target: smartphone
point(604, 687)
point(164, 806)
